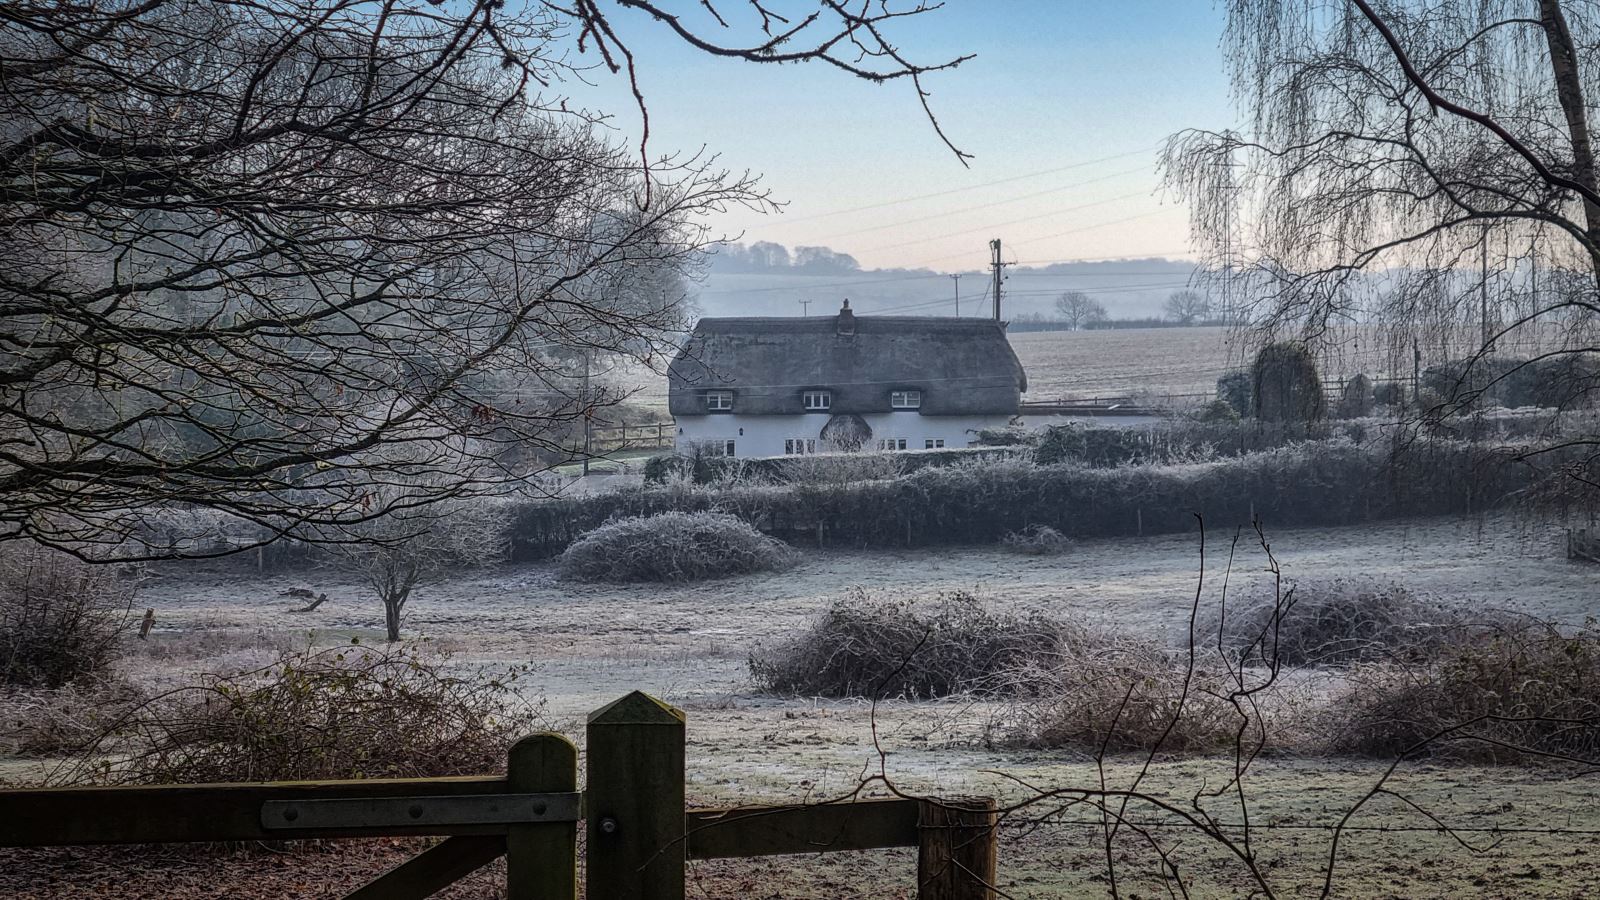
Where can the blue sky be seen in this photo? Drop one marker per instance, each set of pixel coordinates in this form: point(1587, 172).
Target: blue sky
point(1067, 100)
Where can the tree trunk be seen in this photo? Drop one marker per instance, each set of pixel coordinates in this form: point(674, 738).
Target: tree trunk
point(391, 615)
point(1569, 90)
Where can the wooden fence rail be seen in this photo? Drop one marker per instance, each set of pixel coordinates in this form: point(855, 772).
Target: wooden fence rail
point(639, 834)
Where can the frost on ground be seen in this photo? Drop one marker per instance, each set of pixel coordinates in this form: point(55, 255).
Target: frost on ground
point(689, 643)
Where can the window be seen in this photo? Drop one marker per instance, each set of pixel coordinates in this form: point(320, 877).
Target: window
point(905, 399)
point(719, 400)
point(817, 400)
point(719, 448)
point(892, 444)
point(933, 444)
point(798, 446)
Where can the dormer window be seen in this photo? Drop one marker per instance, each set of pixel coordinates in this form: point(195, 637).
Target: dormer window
point(719, 401)
point(905, 399)
point(817, 401)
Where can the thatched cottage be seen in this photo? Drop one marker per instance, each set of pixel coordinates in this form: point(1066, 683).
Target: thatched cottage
point(775, 386)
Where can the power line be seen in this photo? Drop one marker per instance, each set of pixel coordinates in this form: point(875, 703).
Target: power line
point(820, 286)
point(966, 209)
point(974, 187)
point(991, 227)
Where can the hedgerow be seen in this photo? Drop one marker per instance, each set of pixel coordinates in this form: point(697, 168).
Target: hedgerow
point(1315, 484)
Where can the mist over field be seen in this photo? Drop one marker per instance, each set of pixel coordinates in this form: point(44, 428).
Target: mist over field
point(765, 279)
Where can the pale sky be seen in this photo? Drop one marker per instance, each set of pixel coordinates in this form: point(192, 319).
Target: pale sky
point(1064, 108)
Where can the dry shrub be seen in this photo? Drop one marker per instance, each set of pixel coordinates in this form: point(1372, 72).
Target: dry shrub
point(349, 712)
point(1341, 620)
point(1127, 695)
point(61, 619)
point(64, 720)
point(1526, 691)
point(864, 646)
point(1037, 540)
point(673, 546)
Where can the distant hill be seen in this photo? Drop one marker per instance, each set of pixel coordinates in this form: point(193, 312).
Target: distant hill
point(766, 279)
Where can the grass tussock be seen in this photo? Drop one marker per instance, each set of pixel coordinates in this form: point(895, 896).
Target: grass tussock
point(1525, 692)
point(1037, 540)
point(1341, 620)
point(673, 546)
point(348, 712)
point(864, 646)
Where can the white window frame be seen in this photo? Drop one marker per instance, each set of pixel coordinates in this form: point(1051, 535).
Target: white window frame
point(905, 399)
point(799, 446)
point(719, 448)
point(933, 444)
point(817, 401)
point(891, 444)
point(719, 401)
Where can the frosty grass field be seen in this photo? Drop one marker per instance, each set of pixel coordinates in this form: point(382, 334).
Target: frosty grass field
point(688, 644)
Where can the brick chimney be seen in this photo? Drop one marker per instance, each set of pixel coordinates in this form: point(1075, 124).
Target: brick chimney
point(847, 319)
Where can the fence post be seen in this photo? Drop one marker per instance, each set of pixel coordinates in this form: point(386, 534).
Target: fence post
point(634, 800)
point(542, 859)
point(958, 849)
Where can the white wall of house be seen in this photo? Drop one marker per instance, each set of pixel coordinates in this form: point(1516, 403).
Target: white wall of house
point(765, 435)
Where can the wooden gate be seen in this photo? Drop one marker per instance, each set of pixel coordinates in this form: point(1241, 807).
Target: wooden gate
point(639, 835)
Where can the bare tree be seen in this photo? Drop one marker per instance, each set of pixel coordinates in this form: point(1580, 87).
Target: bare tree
point(1079, 310)
point(415, 540)
point(1187, 307)
point(1417, 139)
point(247, 245)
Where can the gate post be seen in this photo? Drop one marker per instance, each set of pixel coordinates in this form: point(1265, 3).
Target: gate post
point(957, 849)
point(634, 800)
point(542, 859)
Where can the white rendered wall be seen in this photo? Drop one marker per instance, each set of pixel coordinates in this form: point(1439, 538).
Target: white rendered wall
point(765, 435)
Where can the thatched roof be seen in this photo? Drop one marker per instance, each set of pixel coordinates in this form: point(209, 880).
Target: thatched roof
point(961, 366)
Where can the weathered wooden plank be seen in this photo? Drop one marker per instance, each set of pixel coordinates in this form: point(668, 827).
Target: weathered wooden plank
point(209, 812)
point(542, 860)
point(958, 856)
point(634, 801)
point(433, 870)
point(770, 831)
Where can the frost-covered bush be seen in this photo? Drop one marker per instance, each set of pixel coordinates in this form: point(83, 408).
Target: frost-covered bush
point(348, 712)
point(898, 647)
point(60, 618)
point(1522, 691)
point(1341, 620)
point(673, 546)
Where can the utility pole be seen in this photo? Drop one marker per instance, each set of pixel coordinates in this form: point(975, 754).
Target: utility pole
point(1483, 294)
point(957, 279)
point(1416, 374)
point(994, 246)
point(587, 412)
point(805, 307)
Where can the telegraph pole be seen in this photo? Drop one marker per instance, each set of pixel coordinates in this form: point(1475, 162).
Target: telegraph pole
point(994, 246)
point(1483, 292)
point(805, 308)
point(957, 279)
point(587, 412)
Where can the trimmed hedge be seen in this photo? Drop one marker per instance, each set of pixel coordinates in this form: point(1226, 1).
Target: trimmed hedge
point(1318, 484)
point(712, 469)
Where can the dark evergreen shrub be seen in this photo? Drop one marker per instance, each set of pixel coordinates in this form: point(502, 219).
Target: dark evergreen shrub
point(1285, 386)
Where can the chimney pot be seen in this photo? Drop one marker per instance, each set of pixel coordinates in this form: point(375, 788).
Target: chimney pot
point(847, 320)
